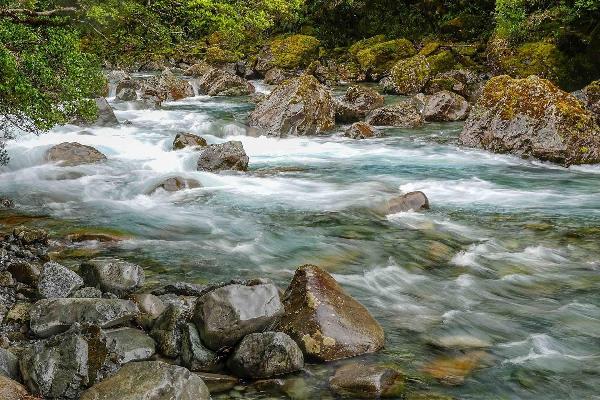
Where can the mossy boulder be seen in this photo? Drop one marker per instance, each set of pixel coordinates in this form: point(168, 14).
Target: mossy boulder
point(381, 57)
point(218, 56)
point(540, 58)
point(289, 52)
point(365, 44)
point(532, 118)
point(409, 76)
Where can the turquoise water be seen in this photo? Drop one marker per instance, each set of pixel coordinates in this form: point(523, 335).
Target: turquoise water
point(508, 256)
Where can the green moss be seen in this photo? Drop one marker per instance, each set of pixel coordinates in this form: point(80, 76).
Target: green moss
point(441, 62)
point(540, 58)
point(409, 76)
point(382, 56)
point(365, 43)
point(295, 51)
point(217, 55)
point(429, 48)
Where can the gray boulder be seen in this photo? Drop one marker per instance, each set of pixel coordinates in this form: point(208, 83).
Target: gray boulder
point(357, 103)
point(368, 381)
point(130, 344)
point(403, 115)
point(218, 82)
point(52, 316)
point(73, 153)
point(112, 275)
point(57, 281)
point(150, 306)
point(9, 365)
point(168, 87)
point(443, 106)
point(167, 330)
point(227, 314)
point(360, 130)
point(183, 140)
point(106, 115)
point(194, 355)
point(264, 355)
point(228, 156)
point(150, 380)
point(88, 293)
point(127, 94)
point(413, 201)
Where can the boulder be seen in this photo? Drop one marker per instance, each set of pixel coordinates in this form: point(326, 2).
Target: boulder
point(106, 115)
point(379, 58)
point(150, 306)
point(183, 140)
point(227, 314)
point(126, 94)
point(12, 390)
point(264, 355)
point(112, 275)
point(9, 365)
point(218, 383)
point(413, 201)
point(411, 75)
point(130, 344)
point(25, 272)
point(183, 289)
point(28, 235)
point(52, 316)
point(443, 106)
point(591, 98)
point(327, 323)
point(275, 76)
point(167, 330)
point(363, 44)
point(57, 281)
point(87, 293)
point(360, 130)
point(176, 184)
point(357, 103)
point(460, 81)
point(299, 106)
point(168, 87)
point(153, 380)
point(228, 156)
point(73, 153)
point(532, 118)
point(194, 355)
point(213, 81)
point(289, 52)
point(360, 381)
point(403, 115)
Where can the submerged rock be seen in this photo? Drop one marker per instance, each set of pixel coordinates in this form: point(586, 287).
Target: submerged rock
point(454, 370)
point(299, 106)
point(357, 103)
point(113, 275)
point(176, 184)
point(532, 118)
point(57, 281)
point(443, 106)
point(228, 156)
point(149, 380)
point(218, 383)
point(368, 381)
point(327, 323)
point(360, 130)
point(264, 355)
point(183, 140)
point(403, 115)
point(73, 153)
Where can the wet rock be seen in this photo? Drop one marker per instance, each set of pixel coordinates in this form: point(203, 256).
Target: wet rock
point(6, 202)
point(532, 118)
point(275, 76)
point(443, 106)
point(360, 130)
point(182, 289)
point(227, 314)
point(366, 381)
point(127, 94)
point(403, 115)
point(52, 316)
point(357, 103)
point(167, 330)
point(87, 293)
point(130, 344)
point(463, 82)
point(591, 98)
point(106, 115)
point(9, 365)
point(12, 390)
point(73, 153)
point(117, 76)
point(194, 355)
point(299, 106)
point(183, 140)
point(57, 281)
point(149, 380)
point(459, 342)
point(150, 306)
point(454, 370)
point(327, 323)
point(228, 156)
point(28, 235)
point(150, 98)
point(213, 81)
point(176, 184)
point(218, 383)
point(264, 355)
point(413, 201)
point(25, 272)
point(112, 275)
point(168, 87)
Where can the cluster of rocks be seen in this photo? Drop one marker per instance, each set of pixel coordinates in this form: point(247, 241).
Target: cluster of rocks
point(96, 332)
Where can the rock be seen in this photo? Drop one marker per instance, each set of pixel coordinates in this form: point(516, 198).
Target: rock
point(12, 390)
point(27, 235)
point(57, 281)
point(87, 293)
point(183, 140)
point(275, 76)
point(357, 103)
point(442, 106)
point(194, 355)
point(221, 57)
point(463, 82)
point(217, 82)
point(362, 381)
point(327, 323)
point(130, 344)
point(168, 87)
point(454, 370)
point(182, 289)
point(532, 118)
point(403, 114)
point(218, 383)
point(360, 130)
point(299, 106)
point(19, 313)
point(150, 97)
point(149, 380)
point(167, 330)
point(112, 275)
point(9, 365)
point(117, 76)
point(52, 316)
point(228, 156)
point(413, 201)
point(411, 75)
point(73, 153)
point(176, 184)
point(379, 58)
point(290, 52)
point(25, 272)
point(127, 94)
point(363, 44)
point(227, 314)
point(106, 115)
point(150, 306)
point(6, 202)
point(591, 98)
point(264, 355)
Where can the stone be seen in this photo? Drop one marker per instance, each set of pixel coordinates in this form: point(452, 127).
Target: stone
point(288, 52)
point(70, 154)
point(19, 313)
point(153, 380)
point(379, 58)
point(453, 370)
point(275, 76)
point(106, 115)
point(87, 293)
point(532, 118)
point(130, 344)
point(150, 306)
point(126, 94)
point(368, 381)
point(413, 201)
point(265, 355)
point(167, 330)
point(183, 140)
point(299, 106)
point(9, 365)
point(227, 314)
point(12, 390)
point(112, 275)
point(325, 321)
point(443, 106)
point(194, 355)
point(357, 103)
point(213, 81)
point(57, 281)
point(360, 130)
point(403, 115)
point(182, 289)
point(228, 156)
point(52, 316)
point(409, 76)
point(28, 235)
point(25, 272)
point(176, 184)
point(168, 87)
point(6, 202)
point(460, 81)
point(218, 383)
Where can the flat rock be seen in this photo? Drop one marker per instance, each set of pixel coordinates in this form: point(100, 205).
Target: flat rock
point(366, 381)
point(57, 281)
point(176, 184)
point(228, 156)
point(112, 275)
point(130, 344)
point(73, 153)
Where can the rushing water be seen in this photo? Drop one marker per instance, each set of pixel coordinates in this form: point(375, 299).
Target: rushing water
point(508, 258)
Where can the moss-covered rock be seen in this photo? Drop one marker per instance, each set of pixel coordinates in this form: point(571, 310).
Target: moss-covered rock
point(542, 59)
point(365, 43)
point(410, 76)
point(219, 56)
point(532, 118)
point(381, 57)
point(295, 51)
point(441, 62)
